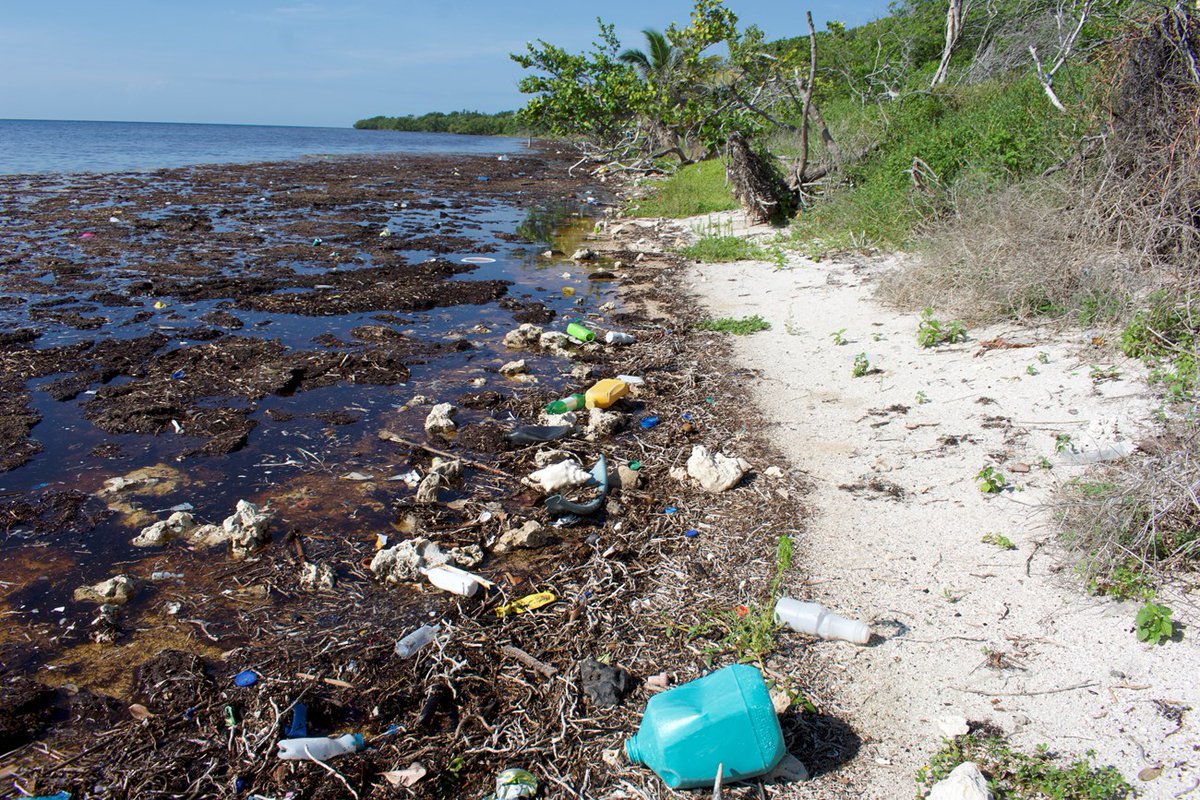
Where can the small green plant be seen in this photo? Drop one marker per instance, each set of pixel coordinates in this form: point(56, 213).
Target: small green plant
point(1031, 370)
point(740, 327)
point(990, 480)
point(1153, 623)
point(1128, 581)
point(1062, 443)
point(696, 189)
point(922, 398)
point(1014, 774)
point(778, 257)
point(718, 249)
point(861, 365)
point(1043, 358)
point(1102, 374)
point(837, 336)
point(932, 332)
point(1044, 463)
point(999, 540)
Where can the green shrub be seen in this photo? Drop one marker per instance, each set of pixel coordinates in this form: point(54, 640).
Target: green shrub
point(741, 327)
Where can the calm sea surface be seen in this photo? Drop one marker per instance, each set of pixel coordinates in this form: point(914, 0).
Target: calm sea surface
point(29, 146)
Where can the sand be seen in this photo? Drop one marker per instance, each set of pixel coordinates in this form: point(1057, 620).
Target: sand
point(962, 628)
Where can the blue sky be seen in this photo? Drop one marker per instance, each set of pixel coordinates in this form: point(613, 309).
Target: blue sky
point(312, 62)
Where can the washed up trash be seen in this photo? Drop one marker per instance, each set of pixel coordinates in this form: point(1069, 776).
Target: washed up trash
point(86, 235)
point(815, 619)
point(536, 434)
point(691, 533)
point(632, 380)
point(572, 402)
point(357, 476)
point(453, 579)
point(414, 641)
point(514, 784)
point(604, 684)
point(558, 505)
point(965, 782)
point(298, 728)
point(724, 721)
point(406, 777)
point(617, 337)
point(715, 472)
point(115, 591)
point(320, 748)
point(606, 392)
point(576, 330)
point(563, 475)
point(529, 536)
point(412, 478)
point(568, 291)
point(530, 602)
point(406, 561)
point(440, 419)
point(648, 422)
point(246, 677)
point(64, 795)
point(478, 260)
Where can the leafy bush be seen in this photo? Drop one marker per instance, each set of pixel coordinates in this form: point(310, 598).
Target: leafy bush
point(931, 332)
point(740, 327)
point(1154, 624)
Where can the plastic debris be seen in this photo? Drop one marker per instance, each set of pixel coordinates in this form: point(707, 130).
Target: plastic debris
point(407, 560)
point(577, 330)
point(536, 434)
point(530, 602)
point(298, 727)
point(414, 641)
point(691, 533)
point(558, 505)
point(648, 422)
point(246, 677)
point(514, 784)
point(320, 748)
point(406, 777)
point(357, 476)
point(453, 579)
point(617, 337)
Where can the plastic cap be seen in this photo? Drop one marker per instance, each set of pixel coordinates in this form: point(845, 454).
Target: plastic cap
point(631, 750)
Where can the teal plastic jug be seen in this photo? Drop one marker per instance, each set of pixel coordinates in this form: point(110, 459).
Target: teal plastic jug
point(726, 718)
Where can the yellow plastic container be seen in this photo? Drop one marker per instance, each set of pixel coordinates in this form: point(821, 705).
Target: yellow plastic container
point(606, 392)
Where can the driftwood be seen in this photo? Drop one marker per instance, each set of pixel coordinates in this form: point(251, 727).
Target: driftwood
point(755, 182)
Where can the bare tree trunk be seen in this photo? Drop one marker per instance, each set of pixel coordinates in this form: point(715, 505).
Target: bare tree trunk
point(802, 162)
point(953, 30)
point(835, 150)
point(1066, 46)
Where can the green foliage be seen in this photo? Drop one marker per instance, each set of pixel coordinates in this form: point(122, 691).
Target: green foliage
point(1154, 624)
point(694, 190)
point(740, 327)
point(1062, 443)
point(591, 95)
point(922, 398)
point(469, 122)
point(1167, 337)
point(999, 540)
point(837, 336)
point(932, 332)
point(1013, 775)
point(985, 135)
point(991, 481)
point(861, 365)
point(1128, 581)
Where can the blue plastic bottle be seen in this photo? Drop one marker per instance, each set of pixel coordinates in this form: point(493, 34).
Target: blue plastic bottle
point(726, 718)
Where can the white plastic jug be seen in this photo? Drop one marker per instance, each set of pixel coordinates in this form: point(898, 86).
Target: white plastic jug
point(817, 620)
point(416, 640)
point(321, 748)
point(452, 579)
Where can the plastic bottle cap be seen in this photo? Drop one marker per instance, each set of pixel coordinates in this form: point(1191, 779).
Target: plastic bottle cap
point(247, 677)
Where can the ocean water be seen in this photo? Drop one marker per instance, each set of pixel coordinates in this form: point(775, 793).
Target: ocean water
point(40, 146)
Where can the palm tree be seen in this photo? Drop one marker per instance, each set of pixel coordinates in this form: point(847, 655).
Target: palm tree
point(661, 59)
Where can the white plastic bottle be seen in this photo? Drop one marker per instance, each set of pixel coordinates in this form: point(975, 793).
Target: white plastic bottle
point(416, 640)
point(452, 579)
point(817, 620)
point(617, 337)
point(322, 748)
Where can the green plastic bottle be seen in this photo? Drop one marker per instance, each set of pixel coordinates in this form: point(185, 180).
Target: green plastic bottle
point(572, 402)
point(725, 718)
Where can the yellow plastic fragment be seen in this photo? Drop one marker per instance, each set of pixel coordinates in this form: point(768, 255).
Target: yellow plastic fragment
point(527, 603)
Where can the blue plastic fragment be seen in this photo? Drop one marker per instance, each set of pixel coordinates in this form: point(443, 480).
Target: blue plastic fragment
point(648, 422)
point(240, 784)
point(691, 533)
point(687, 416)
point(246, 677)
point(55, 796)
point(299, 727)
point(670, 510)
point(177, 374)
point(484, 178)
